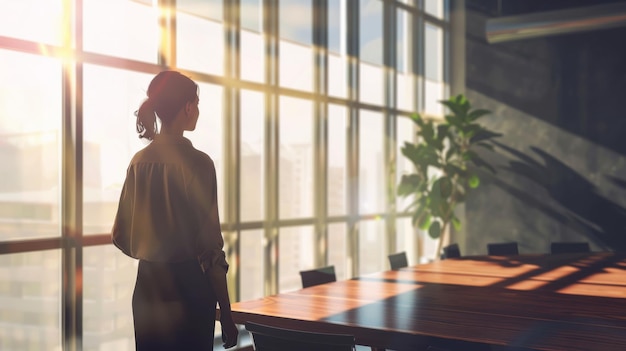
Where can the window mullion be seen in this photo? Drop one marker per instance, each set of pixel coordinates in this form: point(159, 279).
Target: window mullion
point(352, 33)
point(320, 141)
point(72, 182)
point(167, 27)
point(231, 119)
point(390, 69)
point(270, 33)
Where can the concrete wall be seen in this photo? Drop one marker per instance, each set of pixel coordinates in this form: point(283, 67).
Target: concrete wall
point(560, 103)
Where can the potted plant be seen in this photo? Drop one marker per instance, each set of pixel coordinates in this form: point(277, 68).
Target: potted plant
point(442, 157)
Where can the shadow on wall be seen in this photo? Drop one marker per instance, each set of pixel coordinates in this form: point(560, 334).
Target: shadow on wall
point(619, 182)
point(558, 101)
point(574, 82)
point(574, 201)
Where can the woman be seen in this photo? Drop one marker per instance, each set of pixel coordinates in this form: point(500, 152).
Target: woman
point(168, 219)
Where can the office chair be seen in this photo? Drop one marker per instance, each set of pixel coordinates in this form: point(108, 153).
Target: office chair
point(569, 247)
point(459, 346)
point(318, 276)
point(398, 260)
point(267, 338)
point(451, 251)
point(502, 249)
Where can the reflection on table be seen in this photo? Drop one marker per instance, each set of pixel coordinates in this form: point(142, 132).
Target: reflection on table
point(542, 302)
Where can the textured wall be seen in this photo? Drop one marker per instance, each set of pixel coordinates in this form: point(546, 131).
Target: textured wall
point(560, 103)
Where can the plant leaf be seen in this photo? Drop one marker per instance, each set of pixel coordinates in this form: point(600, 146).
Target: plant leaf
point(453, 120)
point(452, 150)
point(476, 114)
point(424, 222)
point(419, 214)
point(456, 223)
point(427, 132)
point(452, 105)
point(473, 181)
point(452, 170)
point(411, 152)
point(445, 187)
point(435, 198)
point(417, 119)
point(442, 134)
point(408, 184)
point(435, 230)
point(441, 154)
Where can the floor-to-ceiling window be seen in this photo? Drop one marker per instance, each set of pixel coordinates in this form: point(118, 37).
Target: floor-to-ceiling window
point(304, 106)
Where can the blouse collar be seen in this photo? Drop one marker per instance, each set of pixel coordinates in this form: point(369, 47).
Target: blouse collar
point(171, 139)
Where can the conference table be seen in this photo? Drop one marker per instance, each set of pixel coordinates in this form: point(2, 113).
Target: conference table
point(539, 302)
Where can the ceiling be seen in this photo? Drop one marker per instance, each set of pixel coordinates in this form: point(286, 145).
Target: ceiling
point(504, 8)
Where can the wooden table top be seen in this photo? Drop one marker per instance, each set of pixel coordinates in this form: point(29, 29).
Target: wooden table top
point(543, 302)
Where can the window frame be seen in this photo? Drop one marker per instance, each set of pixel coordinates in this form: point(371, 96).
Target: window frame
point(72, 239)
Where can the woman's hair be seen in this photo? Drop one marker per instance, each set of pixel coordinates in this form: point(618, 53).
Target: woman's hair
point(168, 92)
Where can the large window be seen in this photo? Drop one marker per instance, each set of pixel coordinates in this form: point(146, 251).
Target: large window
point(372, 86)
point(30, 291)
point(30, 155)
point(200, 52)
point(303, 112)
point(135, 34)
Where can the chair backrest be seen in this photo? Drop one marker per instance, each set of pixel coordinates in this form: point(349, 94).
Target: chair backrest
point(398, 260)
point(451, 251)
point(502, 249)
point(569, 247)
point(267, 338)
point(318, 276)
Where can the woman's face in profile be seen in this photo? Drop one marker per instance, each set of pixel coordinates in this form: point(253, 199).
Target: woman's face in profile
point(194, 113)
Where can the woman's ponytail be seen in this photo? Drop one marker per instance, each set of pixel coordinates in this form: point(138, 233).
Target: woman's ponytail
point(168, 93)
point(146, 120)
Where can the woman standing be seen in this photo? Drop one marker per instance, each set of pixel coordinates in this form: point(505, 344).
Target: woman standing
point(168, 219)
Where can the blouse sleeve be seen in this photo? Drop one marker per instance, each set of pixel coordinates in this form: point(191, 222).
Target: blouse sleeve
point(120, 233)
point(210, 242)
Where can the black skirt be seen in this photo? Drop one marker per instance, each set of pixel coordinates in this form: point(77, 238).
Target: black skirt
point(173, 307)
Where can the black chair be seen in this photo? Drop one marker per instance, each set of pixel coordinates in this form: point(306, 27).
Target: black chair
point(451, 345)
point(398, 260)
point(318, 276)
point(267, 338)
point(569, 247)
point(451, 251)
point(502, 249)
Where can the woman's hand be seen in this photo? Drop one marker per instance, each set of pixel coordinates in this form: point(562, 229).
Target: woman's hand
point(216, 274)
point(230, 333)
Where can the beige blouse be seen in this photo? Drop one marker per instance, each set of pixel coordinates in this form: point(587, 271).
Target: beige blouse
point(168, 206)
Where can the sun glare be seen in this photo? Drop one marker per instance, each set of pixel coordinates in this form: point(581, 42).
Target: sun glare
point(35, 20)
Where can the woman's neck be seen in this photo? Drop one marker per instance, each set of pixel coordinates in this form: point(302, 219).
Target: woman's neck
point(171, 130)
